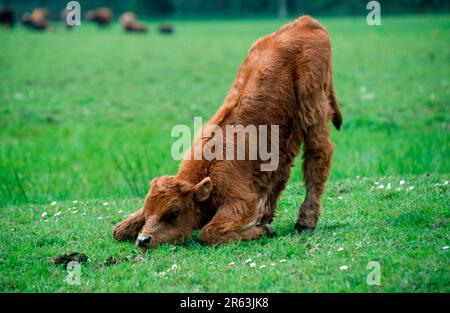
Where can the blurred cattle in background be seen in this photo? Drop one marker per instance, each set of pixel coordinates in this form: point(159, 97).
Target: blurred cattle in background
point(130, 23)
point(37, 20)
point(102, 16)
point(166, 28)
point(6, 17)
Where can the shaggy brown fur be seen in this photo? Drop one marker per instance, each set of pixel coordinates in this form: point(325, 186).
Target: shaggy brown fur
point(102, 16)
point(130, 23)
point(286, 80)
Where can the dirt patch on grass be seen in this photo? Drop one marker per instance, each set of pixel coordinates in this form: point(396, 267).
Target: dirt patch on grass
point(67, 258)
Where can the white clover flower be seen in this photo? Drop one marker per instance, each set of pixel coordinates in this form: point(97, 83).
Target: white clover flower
point(248, 260)
point(53, 203)
point(410, 188)
point(253, 264)
point(446, 183)
point(381, 186)
point(105, 203)
point(445, 247)
point(402, 182)
point(273, 264)
point(388, 186)
point(44, 214)
point(343, 268)
point(18, 96)
point(368, 96)
point(341, 249)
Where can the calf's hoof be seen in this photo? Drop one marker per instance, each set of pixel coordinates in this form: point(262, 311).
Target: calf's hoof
point(299, 227)
point(270, 231)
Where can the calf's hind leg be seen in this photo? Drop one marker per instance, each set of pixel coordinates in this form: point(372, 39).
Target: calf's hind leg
point(129, 229)
point(318, 151)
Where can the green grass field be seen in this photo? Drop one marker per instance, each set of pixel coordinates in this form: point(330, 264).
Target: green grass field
point(85, 121)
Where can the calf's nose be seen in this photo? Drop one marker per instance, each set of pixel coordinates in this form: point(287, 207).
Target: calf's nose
point(144, 240)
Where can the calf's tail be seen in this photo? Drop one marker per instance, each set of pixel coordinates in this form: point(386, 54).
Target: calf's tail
point(337, 115)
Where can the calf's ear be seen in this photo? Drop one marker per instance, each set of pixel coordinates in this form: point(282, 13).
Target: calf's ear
point(203, 189)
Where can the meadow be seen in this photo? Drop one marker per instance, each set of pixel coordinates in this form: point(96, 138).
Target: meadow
point(86, 118)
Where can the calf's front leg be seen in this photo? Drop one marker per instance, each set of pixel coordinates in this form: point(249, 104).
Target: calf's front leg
point(129, 229)
point(231, 223)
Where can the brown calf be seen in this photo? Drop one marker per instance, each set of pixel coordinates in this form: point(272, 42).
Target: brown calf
point(102, 16)
point(285, 80)
point(130, 23)
point(37, 20)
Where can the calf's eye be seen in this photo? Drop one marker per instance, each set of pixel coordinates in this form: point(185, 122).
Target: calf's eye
point(172, 217)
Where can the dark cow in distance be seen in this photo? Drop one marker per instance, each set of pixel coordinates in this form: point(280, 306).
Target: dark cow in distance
point(166, 28)
point(7, 17)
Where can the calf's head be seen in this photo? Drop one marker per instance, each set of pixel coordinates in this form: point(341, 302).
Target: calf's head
point(172, 210)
